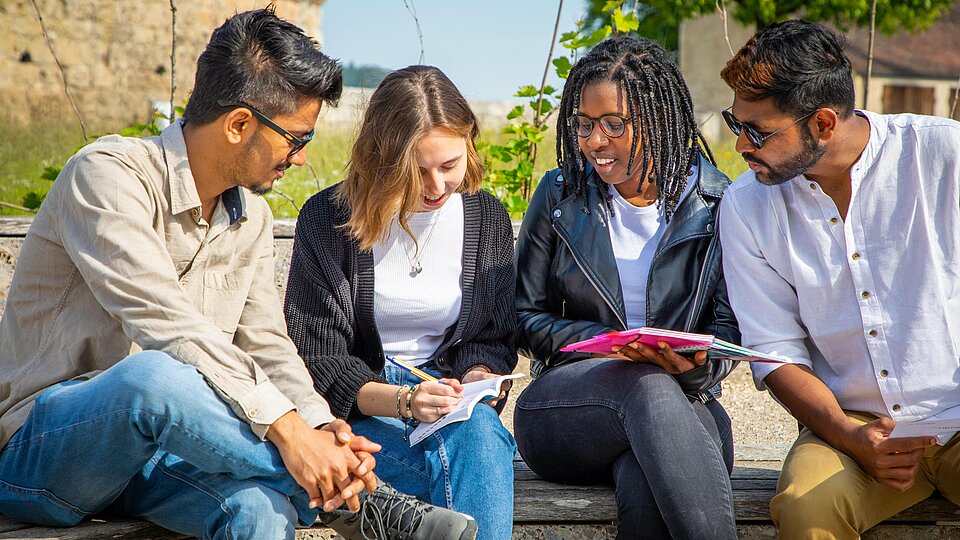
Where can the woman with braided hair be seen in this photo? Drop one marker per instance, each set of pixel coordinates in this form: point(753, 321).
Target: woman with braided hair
point(623, 235)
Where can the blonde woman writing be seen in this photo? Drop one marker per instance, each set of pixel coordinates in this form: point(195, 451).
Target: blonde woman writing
point(407, 257)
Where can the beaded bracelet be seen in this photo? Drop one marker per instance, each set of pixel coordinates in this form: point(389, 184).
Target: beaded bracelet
point(409, 400)
point(399, 394)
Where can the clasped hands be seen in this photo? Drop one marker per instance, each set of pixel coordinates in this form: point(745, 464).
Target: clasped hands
point(331, 463)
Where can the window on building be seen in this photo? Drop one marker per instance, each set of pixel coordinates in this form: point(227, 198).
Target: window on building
point(907, 99)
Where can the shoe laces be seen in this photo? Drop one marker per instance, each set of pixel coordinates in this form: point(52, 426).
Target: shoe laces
point(380, 512)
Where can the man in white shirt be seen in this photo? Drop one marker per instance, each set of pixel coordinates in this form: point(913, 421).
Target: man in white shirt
point(841, 251)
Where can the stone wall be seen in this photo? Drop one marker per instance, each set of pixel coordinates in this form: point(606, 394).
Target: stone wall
point(115, 54)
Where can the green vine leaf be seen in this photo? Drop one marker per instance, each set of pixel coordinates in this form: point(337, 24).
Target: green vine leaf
point(527, 90)
point(563, 66)
point(33, 200)
point(625, 23)
point(516, 112)
point(50, 173)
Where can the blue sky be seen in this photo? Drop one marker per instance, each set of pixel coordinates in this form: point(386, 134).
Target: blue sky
point(487, 47)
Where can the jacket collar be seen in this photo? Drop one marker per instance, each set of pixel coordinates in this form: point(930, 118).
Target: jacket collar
point(695, 217)
point(183, 187)
point(584, 222)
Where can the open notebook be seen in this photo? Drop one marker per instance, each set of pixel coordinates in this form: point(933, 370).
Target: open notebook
point(681, 342)
point(473, 393)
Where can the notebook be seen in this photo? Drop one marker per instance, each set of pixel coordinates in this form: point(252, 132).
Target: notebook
point(681, 342)
point(473, 393)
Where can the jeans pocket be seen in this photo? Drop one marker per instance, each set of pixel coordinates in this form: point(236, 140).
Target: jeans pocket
point(37, 506)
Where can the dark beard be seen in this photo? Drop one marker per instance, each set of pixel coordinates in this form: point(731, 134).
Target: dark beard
point(806, 158)
point(261, 189)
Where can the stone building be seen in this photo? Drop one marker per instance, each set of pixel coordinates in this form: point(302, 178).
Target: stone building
point(115, 54)
point(912, 72)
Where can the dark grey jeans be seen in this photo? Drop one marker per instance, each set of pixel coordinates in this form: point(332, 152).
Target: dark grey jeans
point(601, 419)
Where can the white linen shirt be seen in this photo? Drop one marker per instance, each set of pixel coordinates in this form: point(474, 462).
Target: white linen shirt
point(870, 303)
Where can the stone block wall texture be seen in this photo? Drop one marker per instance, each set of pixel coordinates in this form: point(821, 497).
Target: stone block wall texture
point(115, 54)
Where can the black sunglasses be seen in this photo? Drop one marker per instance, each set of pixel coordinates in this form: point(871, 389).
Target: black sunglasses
point(297, 142)
point(754, 136)
point(610, 124)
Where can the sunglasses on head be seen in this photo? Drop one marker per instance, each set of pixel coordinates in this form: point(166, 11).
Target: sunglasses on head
point(297, 142)
point(754, 136)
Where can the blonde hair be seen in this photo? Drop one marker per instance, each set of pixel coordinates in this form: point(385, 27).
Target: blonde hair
point(383, 178)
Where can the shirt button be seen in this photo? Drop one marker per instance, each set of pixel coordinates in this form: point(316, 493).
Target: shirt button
point(896, 407)
point(556, 214)
point(813, 185)
point(873, 333)
point(834, 221)
point(865, 295)
point(559, 179)
point(884, 373)
point(251, 414)
point(855, 256)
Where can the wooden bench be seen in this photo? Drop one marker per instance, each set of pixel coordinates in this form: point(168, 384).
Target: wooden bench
point(546, 510)
point(541, 509)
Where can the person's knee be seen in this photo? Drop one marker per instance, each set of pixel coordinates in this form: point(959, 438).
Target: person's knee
point(150, 375)
point(799, 510)
point(483, 434)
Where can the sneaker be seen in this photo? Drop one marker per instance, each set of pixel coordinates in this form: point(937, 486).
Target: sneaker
point(387, 514)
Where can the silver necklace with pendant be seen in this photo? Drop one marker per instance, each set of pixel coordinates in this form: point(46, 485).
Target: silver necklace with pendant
point(415, 267)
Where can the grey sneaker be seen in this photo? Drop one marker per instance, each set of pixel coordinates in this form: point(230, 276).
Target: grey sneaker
point(387, 514)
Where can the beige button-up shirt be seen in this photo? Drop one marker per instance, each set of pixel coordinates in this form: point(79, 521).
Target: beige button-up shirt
point(119, 259)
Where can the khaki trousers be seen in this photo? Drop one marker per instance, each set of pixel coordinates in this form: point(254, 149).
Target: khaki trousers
point(824, 494)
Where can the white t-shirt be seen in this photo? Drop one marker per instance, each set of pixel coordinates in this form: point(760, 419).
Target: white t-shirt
point(635, 233)
point(414, 311)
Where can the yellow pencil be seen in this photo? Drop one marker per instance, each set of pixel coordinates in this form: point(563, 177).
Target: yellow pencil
point(419, 373)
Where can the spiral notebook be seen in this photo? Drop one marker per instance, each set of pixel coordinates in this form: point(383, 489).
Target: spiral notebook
point(681, 342)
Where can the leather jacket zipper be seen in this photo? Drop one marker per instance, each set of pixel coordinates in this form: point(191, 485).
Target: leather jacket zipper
point(576, 258)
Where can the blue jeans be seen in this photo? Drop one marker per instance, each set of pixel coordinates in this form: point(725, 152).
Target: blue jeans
point(148, 438)
point(466, 466)
point(600, 419)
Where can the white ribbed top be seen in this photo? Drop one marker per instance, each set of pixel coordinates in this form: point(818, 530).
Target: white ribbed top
point(414, 311)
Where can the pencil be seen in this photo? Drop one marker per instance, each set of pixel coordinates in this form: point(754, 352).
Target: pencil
point(419, 373)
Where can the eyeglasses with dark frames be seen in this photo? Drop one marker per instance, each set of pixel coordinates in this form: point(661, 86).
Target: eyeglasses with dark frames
point(611, 125)
point(297, 142)
point(754, 136)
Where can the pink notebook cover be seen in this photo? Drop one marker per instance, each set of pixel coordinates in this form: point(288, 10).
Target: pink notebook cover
point(679, 341)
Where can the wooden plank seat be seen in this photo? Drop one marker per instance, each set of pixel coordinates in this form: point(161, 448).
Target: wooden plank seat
point(537, 502)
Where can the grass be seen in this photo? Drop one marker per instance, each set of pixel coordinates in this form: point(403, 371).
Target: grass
point(25, 151)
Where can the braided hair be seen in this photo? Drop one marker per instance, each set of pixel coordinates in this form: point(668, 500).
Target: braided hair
point(661, 114)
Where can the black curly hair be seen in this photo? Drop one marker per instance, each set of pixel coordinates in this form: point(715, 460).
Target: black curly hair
point(661, 114)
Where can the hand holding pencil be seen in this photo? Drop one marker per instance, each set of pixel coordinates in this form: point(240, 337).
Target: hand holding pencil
point(434, 398)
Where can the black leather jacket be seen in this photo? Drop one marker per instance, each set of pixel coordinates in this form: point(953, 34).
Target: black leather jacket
point(568, 287)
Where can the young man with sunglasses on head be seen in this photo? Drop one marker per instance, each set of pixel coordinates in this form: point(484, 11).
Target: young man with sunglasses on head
point(145, 366)
point(841, 252)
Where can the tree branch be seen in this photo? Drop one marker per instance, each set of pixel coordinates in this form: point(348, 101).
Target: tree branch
point(18, 207)
point(413, 13)
point(173, 59)
point(63, 75)
point(873, 32)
